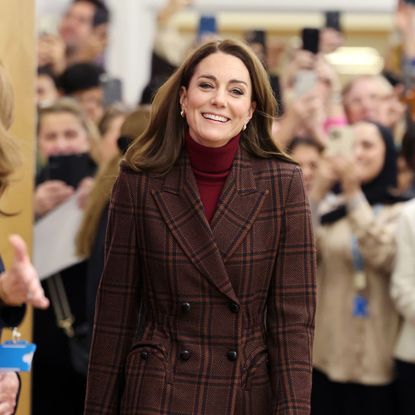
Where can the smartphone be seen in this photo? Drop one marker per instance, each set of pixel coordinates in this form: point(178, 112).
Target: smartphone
point(71, 168)
point(207, 26)
point(340, 141)
point(304, 82)
point(112, 90)
point(332, 20)
point(310, 39)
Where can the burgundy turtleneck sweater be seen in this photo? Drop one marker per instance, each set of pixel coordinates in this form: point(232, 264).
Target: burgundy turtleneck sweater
point(211, 166)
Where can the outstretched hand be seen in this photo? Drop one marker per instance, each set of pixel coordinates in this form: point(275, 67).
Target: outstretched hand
point(20, 283)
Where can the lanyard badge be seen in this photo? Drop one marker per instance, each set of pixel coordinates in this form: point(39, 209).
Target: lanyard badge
point(360, 301)
point(16, 355)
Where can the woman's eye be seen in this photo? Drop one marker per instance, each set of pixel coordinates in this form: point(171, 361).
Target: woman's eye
point(205, 85)
point(237, 91)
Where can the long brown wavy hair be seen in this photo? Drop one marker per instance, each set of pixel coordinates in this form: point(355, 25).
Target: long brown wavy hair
point(9, 152)
point(158, 148)
point(134, 124)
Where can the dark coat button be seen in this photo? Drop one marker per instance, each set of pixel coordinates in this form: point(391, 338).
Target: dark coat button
point(232, 355)
point(234, 307)
point(185, 355)
point(185, 307)
point(144, 355)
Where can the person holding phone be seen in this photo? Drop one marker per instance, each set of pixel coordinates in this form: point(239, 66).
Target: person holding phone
point(206, 302)
point(19, 284)
point(356, 213)
point(63, 130)
point(68, 141)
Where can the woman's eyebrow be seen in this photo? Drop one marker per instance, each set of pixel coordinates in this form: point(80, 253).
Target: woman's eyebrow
point(232, 81)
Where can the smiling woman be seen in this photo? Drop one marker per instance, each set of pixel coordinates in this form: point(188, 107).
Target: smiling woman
point(209, 231)
point(217, 106)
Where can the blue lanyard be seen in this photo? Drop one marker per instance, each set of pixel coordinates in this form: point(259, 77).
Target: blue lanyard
point(357, 257)
point(360, 301)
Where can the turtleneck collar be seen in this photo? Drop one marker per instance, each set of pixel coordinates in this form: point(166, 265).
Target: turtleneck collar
point(211, 159)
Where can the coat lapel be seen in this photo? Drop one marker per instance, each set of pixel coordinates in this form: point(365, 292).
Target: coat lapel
point(238, 206)
point(182, 210)
point(210, 246)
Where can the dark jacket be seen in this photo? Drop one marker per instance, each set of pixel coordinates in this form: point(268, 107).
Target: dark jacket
point(227, 309)
point(10, 316)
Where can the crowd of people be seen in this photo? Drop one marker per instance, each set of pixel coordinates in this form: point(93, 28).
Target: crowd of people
point(354, 141)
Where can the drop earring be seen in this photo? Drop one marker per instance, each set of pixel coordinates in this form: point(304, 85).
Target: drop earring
point(182, 113)
point(244, 127)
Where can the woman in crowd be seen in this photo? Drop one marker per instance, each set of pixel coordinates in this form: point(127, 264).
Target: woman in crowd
point(206, 303)
point(307, 153)
point(403, 292)
point(403, 289)
point(63, 130)
point(20, 284)
point(356, 322)
point(68, 140)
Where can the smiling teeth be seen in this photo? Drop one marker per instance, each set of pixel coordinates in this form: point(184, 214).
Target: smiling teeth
point(215, 117)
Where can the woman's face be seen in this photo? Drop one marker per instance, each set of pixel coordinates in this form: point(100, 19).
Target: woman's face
point(217, 103)
point(363, 100)
point(369, 151)
point(307, 156)
point(62, 134)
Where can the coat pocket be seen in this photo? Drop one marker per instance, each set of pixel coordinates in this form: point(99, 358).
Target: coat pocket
point(255, 396)
point(255, 371)
point(146, 377)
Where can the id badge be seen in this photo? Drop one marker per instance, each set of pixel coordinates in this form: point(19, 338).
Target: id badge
point(16, 356)
point(360, 306)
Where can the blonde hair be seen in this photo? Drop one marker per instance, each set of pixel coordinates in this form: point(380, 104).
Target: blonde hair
point(69, 105)
point(134, 124)
point(9, 152)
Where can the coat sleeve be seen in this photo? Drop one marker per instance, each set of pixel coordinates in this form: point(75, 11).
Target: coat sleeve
point(291, 306)
point(10, 316)
point(403, 277)
point(117, 304)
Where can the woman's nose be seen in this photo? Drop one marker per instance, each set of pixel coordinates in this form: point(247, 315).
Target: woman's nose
point(219, 98)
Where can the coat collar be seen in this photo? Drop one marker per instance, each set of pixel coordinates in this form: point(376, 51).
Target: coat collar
point(210, 246)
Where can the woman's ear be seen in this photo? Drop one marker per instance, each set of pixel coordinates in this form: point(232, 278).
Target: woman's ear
point(251, 110)
point(183, 96)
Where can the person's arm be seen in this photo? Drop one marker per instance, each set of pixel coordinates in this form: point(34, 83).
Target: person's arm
point(405, 25)
point(117, 304)
point(20, 283)
point(403, 277)
point(291, 306)
point(375, 235)
point(170, 9)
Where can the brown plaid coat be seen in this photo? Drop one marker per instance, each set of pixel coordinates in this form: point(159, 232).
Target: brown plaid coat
point(226, 310)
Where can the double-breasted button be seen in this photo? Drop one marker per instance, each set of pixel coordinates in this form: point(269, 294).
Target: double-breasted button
point(185, 307)
point(144, 355)
point(234, 307)
point(185, 355)
point(232, 355)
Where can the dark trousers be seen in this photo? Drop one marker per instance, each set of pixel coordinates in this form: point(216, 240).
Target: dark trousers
point(335, 398)
point(405, 386)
